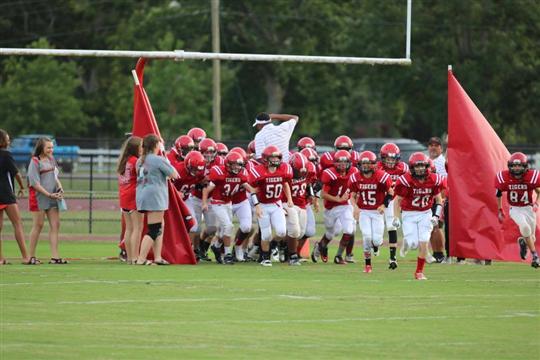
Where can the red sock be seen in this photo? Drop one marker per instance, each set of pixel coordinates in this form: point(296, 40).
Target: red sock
point(420, 264)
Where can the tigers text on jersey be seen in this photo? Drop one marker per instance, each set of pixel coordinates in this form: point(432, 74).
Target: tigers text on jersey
point(336, 184)
point(401, 168)
point(270, 184)
point(371, 191)
point(418, 195)
point(185, 182)
point(197, 191)
point(227, 184)
point(519, 191)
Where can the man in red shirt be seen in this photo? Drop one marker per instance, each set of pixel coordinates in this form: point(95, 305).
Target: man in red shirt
point(416, 191)
point(338, 213)
point(371, 191)
point(391, 164)
point(519, 182)
point(271, 179)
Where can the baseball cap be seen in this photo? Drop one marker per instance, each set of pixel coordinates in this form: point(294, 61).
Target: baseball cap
point(435, 140)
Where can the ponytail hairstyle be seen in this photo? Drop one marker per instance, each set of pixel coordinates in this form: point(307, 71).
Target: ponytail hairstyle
point(131, 147)
point(40, 146)
point(150, 142)
point(3, 139)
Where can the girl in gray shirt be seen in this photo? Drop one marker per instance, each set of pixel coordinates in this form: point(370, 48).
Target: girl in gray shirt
point(153, 196)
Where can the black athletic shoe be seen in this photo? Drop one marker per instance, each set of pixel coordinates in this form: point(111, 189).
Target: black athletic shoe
point(217, 254)
point(522, 248)
point(122, 256)
point(535, 263)
point(324, 254)
point(392, 264)
point(228, 259)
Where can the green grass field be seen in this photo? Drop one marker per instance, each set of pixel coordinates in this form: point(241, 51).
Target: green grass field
point(101, 309)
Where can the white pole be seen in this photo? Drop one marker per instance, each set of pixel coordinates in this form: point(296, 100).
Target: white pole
point(449, 67)
point(188, 55)
point(408, 38)
point(135, 77)
point(216, 73)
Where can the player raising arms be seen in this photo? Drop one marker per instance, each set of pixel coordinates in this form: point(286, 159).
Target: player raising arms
point(371, 191)
point(416, 191)
point(271, 179)
point(391, 164)
point(338, 212)
point(519, 182)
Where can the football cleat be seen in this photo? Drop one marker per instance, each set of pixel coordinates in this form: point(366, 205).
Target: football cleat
point(339, 260)
point(315, 254)
point(324, 254)
point(522, 248)
point(228, 259)
point(376, 251)
point(368, 269)
point(420, 276)
point(122, 256)
point(274, 255)
point(350, 259)
point(392, 264)
point(535, 263)
point(217, 254)
point(266, 263)
point(253, 253)
point(294, 261)
point(430, 259)
point(239, 253)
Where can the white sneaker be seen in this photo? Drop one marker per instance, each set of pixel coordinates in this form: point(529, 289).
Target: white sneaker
point(239, 253)
point(266, 263)
point(430, 259)
point(350, 259)
point(253, 253)
point(275, 255)
point(404, 249)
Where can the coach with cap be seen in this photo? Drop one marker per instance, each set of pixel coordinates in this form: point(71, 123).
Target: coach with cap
point(435, 151)
point(274, 129)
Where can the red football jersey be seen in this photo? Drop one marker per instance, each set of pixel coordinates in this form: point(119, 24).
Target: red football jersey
point(336, 185)
point(227, 184)
point(127, 185)
point(185, 182)
point(401, 168)
point(418, 195)
point(218, 161)
point(371, 191)
point(270, 185)
point(519, 191)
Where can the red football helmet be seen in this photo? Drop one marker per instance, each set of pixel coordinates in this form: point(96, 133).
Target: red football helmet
point(343, 143)
point(241, 152)
point(311, 155)
point(390, 155)
point(342, 160)
point(367, 161)
point(518, 163)
point(197, 134)
point(234, 162)
point(418, 159)
point(222, 149)
point(299, 164)
point(251, 149)
point(208, 148)
point(184, 144)
point(195, 163)
point(272, 156)
point(304, 143)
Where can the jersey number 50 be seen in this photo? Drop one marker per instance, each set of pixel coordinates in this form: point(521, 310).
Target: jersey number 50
point(273, 191)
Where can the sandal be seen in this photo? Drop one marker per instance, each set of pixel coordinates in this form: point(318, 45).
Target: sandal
point(58, 261)
point(33, 261)
point(162, 262)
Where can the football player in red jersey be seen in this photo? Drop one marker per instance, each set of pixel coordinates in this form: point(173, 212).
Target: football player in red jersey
point(519, 182)
point(305, 143)
point(190, 173)
point(197, 134)
point(415, 193)
point(313, 200)
point(271, 179)
point(338, 211)
point(182, 146)
point(371, 191)
point(224, 182)
point(391, 164)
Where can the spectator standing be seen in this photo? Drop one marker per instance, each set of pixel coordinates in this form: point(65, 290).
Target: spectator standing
point(274, 129)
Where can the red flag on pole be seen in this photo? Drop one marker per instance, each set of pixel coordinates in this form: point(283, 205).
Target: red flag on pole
point(475, 155)
point(176, 243)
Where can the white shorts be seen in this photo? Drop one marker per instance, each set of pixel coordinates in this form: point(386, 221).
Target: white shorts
point(223, 215)
point(311, 225)
point(273, 217)
point(338, 218)
point(243, 212)
point(296, 221)
point(195, 207)
point(389, 216)
point(525, 219)
point(371, 226)
point(417, 227)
